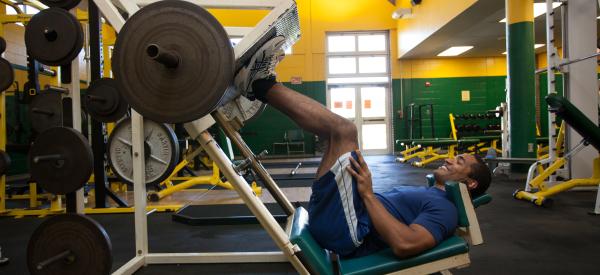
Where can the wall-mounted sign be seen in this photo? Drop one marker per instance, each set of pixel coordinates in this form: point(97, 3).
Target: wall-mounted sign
point(465, 95)
point(296, 80)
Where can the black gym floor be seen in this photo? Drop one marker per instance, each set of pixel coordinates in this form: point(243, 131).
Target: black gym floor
point(519, 237)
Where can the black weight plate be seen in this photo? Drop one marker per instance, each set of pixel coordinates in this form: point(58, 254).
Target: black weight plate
point(206, 62)
point(104, 102)
point(64, 4)
point(54, 37)
point(4, 162)
point(2, 45)
point(45, 111)
point(7, 75)
point(87, 241)
point(69, 173)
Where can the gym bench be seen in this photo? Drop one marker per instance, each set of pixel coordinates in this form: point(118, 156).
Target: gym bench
point(451, 253)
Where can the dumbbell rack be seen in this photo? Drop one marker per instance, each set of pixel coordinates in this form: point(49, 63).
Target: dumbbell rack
point(197, 129)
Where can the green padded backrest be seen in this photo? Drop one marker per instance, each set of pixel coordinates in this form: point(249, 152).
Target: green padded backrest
point(453, 193)
point(482, 200)
point(312, 253)
point(479, 201)
point(575, 118)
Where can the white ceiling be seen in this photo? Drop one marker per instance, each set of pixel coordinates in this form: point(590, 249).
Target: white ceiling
point(478, 26)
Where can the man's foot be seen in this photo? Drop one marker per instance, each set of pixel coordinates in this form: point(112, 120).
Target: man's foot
point(261, 66)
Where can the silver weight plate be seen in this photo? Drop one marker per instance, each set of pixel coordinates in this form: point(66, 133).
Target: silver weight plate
point(243, 108)
point(161, 151)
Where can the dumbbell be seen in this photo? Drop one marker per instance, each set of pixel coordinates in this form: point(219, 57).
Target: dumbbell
point(461, 128)
point(480, 116)
point(457, 117)
point(476, 128)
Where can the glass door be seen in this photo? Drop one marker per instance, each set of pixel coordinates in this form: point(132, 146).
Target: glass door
point(358, 81)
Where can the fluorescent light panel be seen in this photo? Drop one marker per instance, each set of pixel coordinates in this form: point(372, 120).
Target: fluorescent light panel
point(454, 51)
point(539, 9)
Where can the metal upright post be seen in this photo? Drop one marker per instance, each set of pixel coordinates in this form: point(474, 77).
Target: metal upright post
point(97, 137)
point(3, 147)
point(551, 57)
point(139, 184)
point(580, 76)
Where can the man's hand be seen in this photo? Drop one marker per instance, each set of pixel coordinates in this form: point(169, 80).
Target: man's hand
point(362, 174)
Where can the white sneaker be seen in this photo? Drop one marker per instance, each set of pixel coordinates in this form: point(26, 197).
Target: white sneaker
point(261, 66)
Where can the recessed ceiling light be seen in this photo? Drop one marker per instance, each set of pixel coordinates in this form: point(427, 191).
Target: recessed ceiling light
point(454, 51)
point(539, 9)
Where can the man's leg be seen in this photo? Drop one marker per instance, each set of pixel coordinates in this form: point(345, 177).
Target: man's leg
point(257, 80)
point(339, 133)
point(339, 221)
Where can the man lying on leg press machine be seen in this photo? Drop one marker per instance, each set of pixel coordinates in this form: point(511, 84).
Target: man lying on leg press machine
point(345, 215)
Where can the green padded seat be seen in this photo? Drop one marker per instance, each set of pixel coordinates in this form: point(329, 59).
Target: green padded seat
point(443, 142)
point(468, 141)
point(383, 261)
point(434, 141)
point(484, 138)
point(380, 262)
point(575, 118)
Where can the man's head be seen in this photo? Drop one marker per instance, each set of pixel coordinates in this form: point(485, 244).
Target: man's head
point(469, 169)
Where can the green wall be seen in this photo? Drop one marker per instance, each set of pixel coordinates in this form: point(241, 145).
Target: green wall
point(445, 93)
point(18, 160)
point(270, 127)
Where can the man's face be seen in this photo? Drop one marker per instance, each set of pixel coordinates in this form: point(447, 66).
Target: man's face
point(456, 169)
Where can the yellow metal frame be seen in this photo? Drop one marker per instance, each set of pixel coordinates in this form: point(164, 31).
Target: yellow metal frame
point(451, 153)
point(427, 151)
point(409, 150)
point(213, 179)
point(543, 192)
point(453, 126)
point(20, 213)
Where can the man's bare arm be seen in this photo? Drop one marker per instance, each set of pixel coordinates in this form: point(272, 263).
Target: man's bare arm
point(405, 240)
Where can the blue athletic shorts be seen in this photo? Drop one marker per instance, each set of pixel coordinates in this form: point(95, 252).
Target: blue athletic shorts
point(338, 219)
